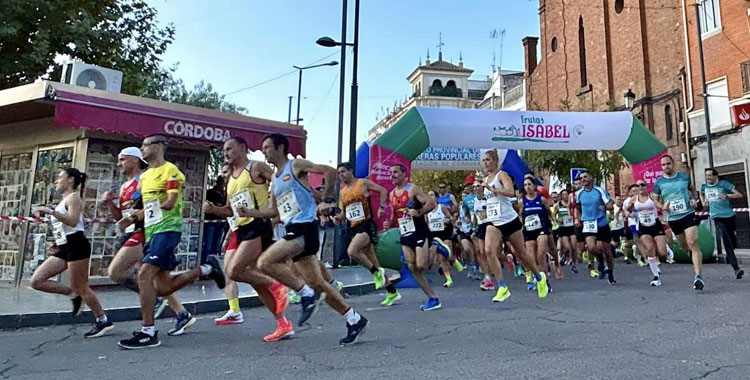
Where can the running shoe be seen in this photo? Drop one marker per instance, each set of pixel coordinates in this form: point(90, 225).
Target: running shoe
point(531, 285)
point(656, 281)
point(338, 285)
point(585, 255)
point(528, 277)
point(442, 248)
point(309, 308)
point(216, 273)
point(739, 273)
point(390, 298)
point(698, 283)
point(458, 266)
point(541, 286)
point(670, 260)
point(503, 293)
point(140, 340)
point(284, 330)
point(448, 282)
point(611, 277)
point(229, 318)
point(161, 304)
point(353, 332)
point(519, 271)
point(594, 273)
point(99, 329)
point(77, 303)
point(293, 296)
point(278, 291)
point(379, 277)
point(602, 273)
point(181, 323)
point(487, 285)
point(640, 262)
point(431, 304)
point(627, 260)
point(574, 268)
point(470, 272)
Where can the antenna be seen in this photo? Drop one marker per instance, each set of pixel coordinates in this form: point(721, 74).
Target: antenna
point(494, 35)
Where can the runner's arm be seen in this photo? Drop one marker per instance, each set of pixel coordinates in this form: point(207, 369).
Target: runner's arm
point(113, 208)
point(454, 204)
point(171, 200)
point(74, 205)
point(447, 212)
point(372, 186)
point(221, 211)
point(507, 186)
point(428, 204)
point(301, 165)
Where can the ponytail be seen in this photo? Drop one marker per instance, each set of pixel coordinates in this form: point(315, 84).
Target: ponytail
point(79, 179)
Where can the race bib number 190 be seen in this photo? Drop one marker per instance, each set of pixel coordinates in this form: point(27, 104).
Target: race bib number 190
point(677, 207)
point(590, 227)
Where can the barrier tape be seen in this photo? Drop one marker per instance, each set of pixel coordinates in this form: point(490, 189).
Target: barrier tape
point(703, 213)
point(37, 220)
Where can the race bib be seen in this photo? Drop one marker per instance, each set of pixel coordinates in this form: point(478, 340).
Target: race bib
point(126, 214)
point(712, 195)
point(59, 232)
point(232, 220)
point(288, 206)
point(239, 200)
point(406, 225)
point(646, 218)
point(355, 212)
point(437, 223)
point(481, 217)
point(152, 211)
point(532, 222)
point(493, 212)
point(590, 227)
point(678, 207)
point(567, 221)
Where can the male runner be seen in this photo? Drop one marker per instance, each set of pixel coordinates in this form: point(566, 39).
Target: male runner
point(593, 203)
point(355, 198)
point(445, 198)
point(675, 195)
point(160, 187)
point(580, 245)
point(293, 199)
point(617, 224)
point(248, 211)
point(123, 270)
point(716, 194)
point(410, 205)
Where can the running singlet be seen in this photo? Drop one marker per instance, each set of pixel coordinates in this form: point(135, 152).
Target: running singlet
point(445, 200)
point(632, 217)
point(436, 219)
point(565, 217)
point(400, 203)
point(156, 184)
point(244, 192)
point(59, 229)
point(534, 214)
point(617, 221)
point(356, 205)
point(128, 199)
point(647, 212)
point(675, 190)
point(480, 210)
point(295, 201)
point(591, 202)
point(500, 209)
point(718, 208)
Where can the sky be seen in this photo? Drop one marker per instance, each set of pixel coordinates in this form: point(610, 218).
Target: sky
point(235, 45)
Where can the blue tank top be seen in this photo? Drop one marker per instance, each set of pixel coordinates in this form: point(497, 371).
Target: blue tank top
point(445, 200)
point(294, 200)
point(535, 207)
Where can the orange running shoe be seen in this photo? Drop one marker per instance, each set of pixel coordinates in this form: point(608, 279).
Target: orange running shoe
point(278, 291)
point(283, 331)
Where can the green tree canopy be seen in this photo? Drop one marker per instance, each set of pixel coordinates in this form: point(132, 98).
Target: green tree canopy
point(601, 164)
point(430, 179)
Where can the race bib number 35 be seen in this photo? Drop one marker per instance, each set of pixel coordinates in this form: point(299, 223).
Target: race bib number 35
point(153, 214)
point(355, 212)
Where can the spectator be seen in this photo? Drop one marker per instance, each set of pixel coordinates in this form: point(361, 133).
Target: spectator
point(213, 230)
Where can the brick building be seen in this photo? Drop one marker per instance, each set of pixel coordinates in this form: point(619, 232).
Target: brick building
point(726, 50)
point(593, 51)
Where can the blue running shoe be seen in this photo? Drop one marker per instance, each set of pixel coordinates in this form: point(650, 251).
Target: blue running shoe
point(442, 248)
point(431, 304)
point(161, 304)
point(309, 308)
point(531, 285)
point(182, 322)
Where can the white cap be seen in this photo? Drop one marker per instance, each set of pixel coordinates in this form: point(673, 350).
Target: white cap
point(132, 151)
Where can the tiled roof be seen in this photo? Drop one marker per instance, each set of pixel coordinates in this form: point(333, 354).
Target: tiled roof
point(445, 66)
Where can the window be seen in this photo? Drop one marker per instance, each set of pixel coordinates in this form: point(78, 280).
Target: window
point(718, 104)
point(619, 4)
point(554, 44)
point(668, 122)
point(582, 52)
point(437, 83)
point(745, 71)
point(710, 16)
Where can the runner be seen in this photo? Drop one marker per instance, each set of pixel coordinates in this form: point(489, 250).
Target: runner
point(632, 215)
point(71, 251)
point(593, 201)
point(160, 187)
point(503, 218)
point(355, 199)
point(617, 225)
point(293, 199)
point(537, 227)
point(580, 240)
point(566, 231)
point(650, 230)
point(446, 199)
point(630, 225)
point(480, 220)
point(715, 194)
point(410, 205)
point(248, 212)
point(675, 195)
point(440, 223)
point(124, 267)
point(465, 230)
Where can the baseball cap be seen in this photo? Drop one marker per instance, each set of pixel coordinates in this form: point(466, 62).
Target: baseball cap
point(469, 180)
point(132, 151)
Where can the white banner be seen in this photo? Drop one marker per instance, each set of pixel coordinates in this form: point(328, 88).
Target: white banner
point(530, 130)
point(452, 159)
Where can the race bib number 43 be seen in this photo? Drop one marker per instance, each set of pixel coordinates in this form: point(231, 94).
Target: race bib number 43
point(288, 206)
point(153, 214)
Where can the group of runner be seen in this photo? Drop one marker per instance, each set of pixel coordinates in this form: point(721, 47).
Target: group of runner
point(496, 224)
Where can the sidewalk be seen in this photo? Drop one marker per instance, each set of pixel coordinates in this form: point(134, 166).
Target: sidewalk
point(25, 307)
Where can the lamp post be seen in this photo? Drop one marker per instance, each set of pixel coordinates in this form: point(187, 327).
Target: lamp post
point(704, 93)
point(299, 84)
point(330, 42)
point(629, 99)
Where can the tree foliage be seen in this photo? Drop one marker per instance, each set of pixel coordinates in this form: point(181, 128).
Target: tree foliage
point(601, 164)
point(430, 179)
point(118, 34)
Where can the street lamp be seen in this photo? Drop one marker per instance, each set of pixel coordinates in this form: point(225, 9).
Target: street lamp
point(299, 84)
point(330, 42)
point(629, 99)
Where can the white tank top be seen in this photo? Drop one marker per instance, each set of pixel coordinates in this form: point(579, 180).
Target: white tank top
point(647, 212)
point(62, 210)
point(436, 219)
point(499, 204)
point(632, 221)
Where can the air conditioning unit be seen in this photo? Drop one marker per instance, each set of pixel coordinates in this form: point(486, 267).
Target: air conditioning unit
point(85, 75)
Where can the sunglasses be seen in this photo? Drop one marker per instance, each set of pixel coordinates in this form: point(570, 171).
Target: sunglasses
point(642, 185)
point(441, 187)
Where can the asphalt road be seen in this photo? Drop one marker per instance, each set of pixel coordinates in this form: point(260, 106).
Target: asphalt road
point(585, 329)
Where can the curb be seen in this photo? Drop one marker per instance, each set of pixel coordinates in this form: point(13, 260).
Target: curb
point(17, 321)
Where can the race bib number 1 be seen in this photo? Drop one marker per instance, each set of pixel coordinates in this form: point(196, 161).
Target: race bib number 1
point(152, 210)
point(355, 212)
point(590, 227)
point(406, 225)
point(677, 207)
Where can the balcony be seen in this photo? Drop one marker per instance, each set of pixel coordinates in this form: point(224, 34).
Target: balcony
point(449, 91)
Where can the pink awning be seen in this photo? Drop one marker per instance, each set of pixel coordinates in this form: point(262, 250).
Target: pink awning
point(83, 111)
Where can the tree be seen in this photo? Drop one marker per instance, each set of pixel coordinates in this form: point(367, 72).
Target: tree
point(430, 179)
point(601, 164)
point(118, 34)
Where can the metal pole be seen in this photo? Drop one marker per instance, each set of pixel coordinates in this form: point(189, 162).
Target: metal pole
point(289, 114)
point(299, 94)
point(705, 88)
point(355, 90)
point(342, 83)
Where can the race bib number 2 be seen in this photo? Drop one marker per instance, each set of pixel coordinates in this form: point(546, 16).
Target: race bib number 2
point(153, 214)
